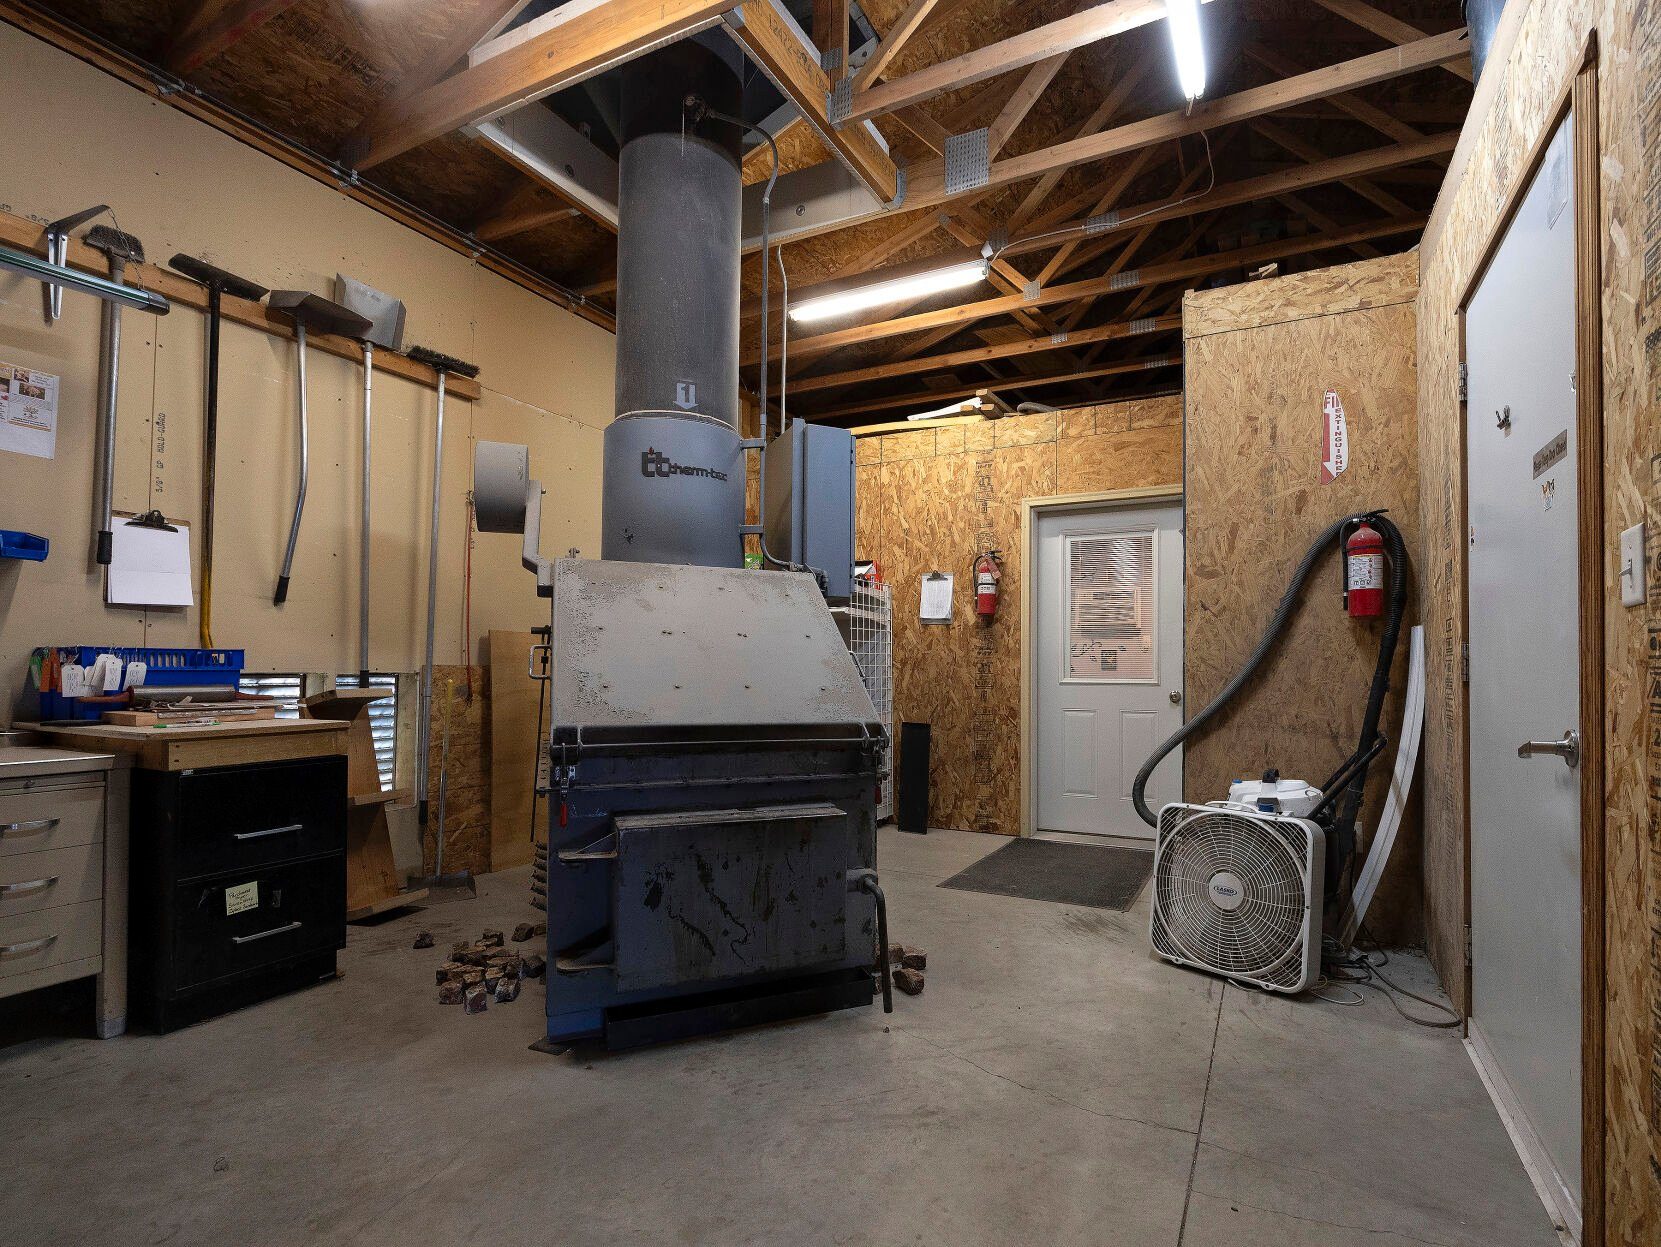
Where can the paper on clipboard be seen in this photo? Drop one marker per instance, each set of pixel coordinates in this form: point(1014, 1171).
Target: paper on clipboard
point(935, 603)
point(149, 566)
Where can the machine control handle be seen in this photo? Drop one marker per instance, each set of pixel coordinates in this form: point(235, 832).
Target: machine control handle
point(260, 935)
point(532, 663)
point(1568, 748)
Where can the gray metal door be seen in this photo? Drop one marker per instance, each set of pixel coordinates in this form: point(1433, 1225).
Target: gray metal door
point(1523, 594)
point(1108, 663)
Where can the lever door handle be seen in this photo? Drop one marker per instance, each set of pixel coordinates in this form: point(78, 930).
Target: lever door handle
point(1568, 748)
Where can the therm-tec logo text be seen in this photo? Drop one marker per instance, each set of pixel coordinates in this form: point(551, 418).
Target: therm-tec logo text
point(654, 462)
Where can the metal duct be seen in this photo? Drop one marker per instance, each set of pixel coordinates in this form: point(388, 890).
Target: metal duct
point(674, 474)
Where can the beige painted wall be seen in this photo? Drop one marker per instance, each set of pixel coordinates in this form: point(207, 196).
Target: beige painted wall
point(75, 137)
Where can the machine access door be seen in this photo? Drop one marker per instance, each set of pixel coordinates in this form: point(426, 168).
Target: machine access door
point(702, 895)
point(1524, 632)
point(1107, 678)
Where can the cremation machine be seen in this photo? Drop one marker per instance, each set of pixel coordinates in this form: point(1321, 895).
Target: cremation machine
point(713, 758)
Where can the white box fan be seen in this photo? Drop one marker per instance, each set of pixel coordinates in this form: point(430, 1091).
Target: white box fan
point(1237, 892)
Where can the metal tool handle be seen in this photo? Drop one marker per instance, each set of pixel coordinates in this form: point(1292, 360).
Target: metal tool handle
point(531, 664)
point(1568, 748)
point(36, 824)
point(28, 886)
point(28, 946)
point(260, 935)
point(269, 831)
point(281, 595)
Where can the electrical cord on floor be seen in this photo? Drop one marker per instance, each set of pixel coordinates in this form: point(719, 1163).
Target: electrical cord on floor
point(1361, 969)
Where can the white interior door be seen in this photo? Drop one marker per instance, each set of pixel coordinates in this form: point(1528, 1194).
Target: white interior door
point(1108, 657)
point(1523, 594)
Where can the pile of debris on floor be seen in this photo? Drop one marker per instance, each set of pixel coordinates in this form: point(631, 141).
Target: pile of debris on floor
point(908, 965)
point(486, 968)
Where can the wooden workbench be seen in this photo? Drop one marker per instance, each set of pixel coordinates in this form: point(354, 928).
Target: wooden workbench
point(217, 744)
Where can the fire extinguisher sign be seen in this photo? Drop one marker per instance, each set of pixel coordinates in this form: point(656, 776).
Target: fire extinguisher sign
point(1335, 438)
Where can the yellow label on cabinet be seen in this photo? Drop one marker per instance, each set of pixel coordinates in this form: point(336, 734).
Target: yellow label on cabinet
point(242, 896)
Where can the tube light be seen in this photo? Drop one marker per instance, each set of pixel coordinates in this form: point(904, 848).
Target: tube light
point(1183, 16)
point(913, 286)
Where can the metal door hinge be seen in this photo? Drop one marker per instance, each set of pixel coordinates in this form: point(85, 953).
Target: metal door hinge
point(1467, 946)
point(1464, 662)
point(1463, 386)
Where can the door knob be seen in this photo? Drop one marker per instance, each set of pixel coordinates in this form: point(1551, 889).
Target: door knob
point(1176, 696)
point(1568, 748)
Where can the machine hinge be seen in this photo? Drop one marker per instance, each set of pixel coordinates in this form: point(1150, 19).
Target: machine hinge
point(1464, 662)
point(1464, 383)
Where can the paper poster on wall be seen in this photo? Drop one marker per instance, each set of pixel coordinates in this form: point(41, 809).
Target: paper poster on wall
point(1335, 438)
point(28, 411)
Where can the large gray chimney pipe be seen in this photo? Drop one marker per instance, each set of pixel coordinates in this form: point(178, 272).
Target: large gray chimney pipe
point(674, 472)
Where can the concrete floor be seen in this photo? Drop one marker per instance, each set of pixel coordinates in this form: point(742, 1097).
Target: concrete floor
point(1054, 1085)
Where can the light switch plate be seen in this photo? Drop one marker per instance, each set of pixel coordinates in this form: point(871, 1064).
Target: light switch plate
point(1631, 565)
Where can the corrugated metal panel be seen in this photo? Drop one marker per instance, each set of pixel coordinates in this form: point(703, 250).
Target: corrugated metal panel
point(383, 714)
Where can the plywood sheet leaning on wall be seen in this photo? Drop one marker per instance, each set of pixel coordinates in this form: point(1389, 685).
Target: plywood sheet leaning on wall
point(1260, 359)
point(931, 499)
point(513, 748)
point(460, 743)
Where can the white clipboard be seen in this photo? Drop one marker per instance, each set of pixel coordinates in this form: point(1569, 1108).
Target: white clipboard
point(149, 566)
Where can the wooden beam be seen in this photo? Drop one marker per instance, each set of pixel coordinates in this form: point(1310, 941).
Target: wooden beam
point(1389, 28)
point(830, 32)
point(1112, 103)
point(1004, 350)
point(1069, 292)
point(526, 209)
point(1368, 114)
point(1310, 154)
point(771, 38)
point(908, 24)
point(561, 54)
point(478, 19)
point(935, 398)
point(1101, 21)
point(209, 27)
point(1015, 110)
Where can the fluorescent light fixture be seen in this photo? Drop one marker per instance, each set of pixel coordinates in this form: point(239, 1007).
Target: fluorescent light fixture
point(912, 286)
point(1183, 16)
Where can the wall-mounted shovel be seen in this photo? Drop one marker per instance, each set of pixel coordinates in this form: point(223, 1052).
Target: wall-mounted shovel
point(386, 328)
point(219, 283)
point(307, 310)
point(121, 249)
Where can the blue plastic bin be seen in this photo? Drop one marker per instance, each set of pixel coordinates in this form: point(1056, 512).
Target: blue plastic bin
point(21, 545)
point(164, 668)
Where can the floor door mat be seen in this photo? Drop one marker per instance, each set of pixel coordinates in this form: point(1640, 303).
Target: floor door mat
point(1100, 876)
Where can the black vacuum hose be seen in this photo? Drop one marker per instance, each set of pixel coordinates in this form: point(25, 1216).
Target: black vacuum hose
point(1288, 603)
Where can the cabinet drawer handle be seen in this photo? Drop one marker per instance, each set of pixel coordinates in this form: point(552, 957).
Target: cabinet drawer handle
point(28, 946)
point(37, 824)
point(6, 889)
point(269, 831)
point(260, 935)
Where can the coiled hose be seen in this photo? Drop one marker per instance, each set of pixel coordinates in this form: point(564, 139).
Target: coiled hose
point(1341, 833)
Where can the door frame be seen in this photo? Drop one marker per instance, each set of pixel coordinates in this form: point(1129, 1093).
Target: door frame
point(1031, 508)
point(1578, 95)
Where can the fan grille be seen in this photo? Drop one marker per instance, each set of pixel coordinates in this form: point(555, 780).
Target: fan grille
point(1263, 938)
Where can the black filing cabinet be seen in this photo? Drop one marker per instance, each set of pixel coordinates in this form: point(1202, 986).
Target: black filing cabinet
point(238, 884)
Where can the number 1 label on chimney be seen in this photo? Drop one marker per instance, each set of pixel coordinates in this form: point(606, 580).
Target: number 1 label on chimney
point(686, 395)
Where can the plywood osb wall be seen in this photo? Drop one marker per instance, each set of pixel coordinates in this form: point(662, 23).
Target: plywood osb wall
point(1259, 360)
point(931, 500)
point(1519, 91)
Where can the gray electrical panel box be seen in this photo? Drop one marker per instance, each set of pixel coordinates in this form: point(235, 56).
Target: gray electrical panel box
point(812, 524)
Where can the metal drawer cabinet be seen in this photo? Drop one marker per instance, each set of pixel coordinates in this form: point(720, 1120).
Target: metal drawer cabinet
point(63, 874)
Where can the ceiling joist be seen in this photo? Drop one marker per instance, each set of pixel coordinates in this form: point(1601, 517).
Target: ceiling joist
point(210, 27)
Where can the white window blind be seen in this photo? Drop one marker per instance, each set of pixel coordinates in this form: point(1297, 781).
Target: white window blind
point(383, 722)
point(383, 713)
point(1110, 608)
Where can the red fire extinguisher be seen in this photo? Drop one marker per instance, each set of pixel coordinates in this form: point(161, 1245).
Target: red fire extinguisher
point(1364, 572)
point(988, 571)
